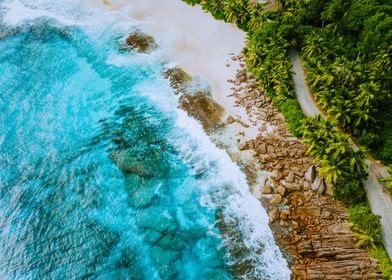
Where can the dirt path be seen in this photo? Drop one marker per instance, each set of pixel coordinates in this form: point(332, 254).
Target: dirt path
point(379, 200)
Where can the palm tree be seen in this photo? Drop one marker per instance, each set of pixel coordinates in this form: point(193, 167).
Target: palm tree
point(331, 171)
point(340, 111)
point(364, 240)
point(314, 46)
point(388, 180)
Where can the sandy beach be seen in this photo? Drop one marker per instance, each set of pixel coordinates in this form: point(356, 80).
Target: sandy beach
point(200, 45)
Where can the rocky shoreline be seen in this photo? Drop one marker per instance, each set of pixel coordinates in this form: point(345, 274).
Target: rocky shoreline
point(310, 227)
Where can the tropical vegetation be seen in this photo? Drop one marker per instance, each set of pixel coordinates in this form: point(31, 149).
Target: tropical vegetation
point(346, 48)
point(388, 180)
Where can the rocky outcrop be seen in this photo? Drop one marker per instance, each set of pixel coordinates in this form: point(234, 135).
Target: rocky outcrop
point(146, 163)
point(179, 79)
point(322, 243)
point(140, 41)
point(196, 102)
point(203, 108)
point(309, 225)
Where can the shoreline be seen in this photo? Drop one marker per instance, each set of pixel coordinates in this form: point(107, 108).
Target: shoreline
point(223, 65)
point(276, 180)
point(205, 50)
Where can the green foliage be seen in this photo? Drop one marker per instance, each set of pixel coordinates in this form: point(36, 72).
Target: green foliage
point(347, 48)
point(384, 263)
point(388, 180)
point(292, 113)
point(235, 11)
point(367, 227)
point(366, 223)
point(341, 165)
point(383, 147)
point(192, 2)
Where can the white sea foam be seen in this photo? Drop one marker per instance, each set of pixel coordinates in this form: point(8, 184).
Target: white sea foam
point(227, 181)
point(18, 13)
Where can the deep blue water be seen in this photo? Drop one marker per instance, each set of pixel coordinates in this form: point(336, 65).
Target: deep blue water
point(99, 179)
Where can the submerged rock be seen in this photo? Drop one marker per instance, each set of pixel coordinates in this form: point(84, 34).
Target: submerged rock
point(147, 163)
point(152, 219)
point(143, 197)
point(140, 41)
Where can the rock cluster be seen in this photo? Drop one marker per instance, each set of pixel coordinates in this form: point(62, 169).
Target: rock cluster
point(140, 41)
point(321, 241)
point(203, 108)
point(308, 224)
point(146, 163)
point(196, 102)
point(275, 149)
point(179, 79)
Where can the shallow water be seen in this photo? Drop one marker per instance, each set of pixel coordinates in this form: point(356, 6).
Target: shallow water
point(101, 176)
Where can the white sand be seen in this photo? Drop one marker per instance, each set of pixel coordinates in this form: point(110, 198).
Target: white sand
point(196, 42)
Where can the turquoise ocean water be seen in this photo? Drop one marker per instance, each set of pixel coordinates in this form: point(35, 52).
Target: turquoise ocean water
point(71, 103)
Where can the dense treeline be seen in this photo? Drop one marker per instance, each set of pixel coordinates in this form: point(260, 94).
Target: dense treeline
point(347, 49)
point(346, 46)
point(270, 37)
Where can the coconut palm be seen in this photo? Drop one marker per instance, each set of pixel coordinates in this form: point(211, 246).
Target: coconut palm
point(388, 180)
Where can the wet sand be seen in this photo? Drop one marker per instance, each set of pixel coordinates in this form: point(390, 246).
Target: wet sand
point(200, 45)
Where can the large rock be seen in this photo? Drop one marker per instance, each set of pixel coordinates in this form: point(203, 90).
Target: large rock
point(284, 214)
point(321, 188)
point(276, 199)
point(273, 215)
point(243, 146)
point(305, 211)
point(281, 190)
point(306, 186)
point(202, 107)
point(293, 186)
point(179, 79)
point(140, 41)
point(270, 149)
point(230, 120)
point(310, 174)
point(276, 175)
point(148, 162)
point(319, 185)
point(290, 178)
point(267, 189)
point(262, 149)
